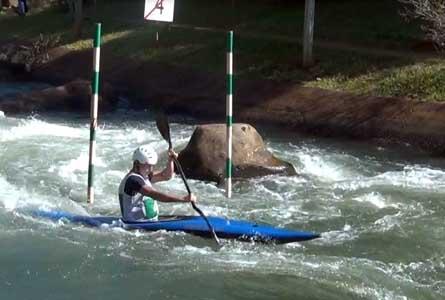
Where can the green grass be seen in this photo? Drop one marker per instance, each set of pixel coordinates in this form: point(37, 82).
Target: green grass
point(365, 21)
point(422, 80)
point(257, 54)
point(46, 22)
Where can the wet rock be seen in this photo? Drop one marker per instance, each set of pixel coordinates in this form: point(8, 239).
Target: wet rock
point(74, 96)
point(204, 157)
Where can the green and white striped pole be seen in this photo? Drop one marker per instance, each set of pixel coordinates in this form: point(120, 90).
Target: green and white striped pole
point(93, 112)
point(229, 107)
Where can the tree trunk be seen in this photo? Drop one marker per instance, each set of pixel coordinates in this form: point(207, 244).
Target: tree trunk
point(78, 16)
point(308, 36)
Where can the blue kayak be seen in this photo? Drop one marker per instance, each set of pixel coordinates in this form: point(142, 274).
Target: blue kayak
point(224, 228)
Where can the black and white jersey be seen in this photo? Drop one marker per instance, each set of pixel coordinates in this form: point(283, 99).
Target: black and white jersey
point(130, 198)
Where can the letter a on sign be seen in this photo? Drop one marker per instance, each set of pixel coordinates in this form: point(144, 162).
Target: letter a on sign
point(159, 10)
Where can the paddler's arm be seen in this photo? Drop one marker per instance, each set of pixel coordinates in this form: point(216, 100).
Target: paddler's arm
point(162, 197)
point(169, 170)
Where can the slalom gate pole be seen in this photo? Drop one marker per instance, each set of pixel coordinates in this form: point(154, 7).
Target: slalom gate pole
point(93, 112)
point(229, 118)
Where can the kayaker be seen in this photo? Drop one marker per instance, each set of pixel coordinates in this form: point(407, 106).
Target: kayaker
point(137, 196)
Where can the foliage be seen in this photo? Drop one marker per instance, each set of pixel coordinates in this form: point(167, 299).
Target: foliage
point(432, 14)
point(38, 51)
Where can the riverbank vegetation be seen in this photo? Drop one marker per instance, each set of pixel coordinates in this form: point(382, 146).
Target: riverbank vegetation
point(363, 47)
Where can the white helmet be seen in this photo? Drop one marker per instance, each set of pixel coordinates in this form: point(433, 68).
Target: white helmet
point(145, 155)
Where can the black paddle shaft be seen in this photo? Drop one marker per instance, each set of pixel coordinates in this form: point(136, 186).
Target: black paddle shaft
point(181, 172)
point(164, 130)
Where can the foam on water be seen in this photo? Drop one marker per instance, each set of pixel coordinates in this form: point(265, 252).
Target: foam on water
point(19, 199)
point(411, 177)
point(338, 194)
point(316, 165)
point(389, 222)
point(13, 197)
point(37, 128)
point(68, 169)
point(338, 237)
point(8, 195)
point(415, 177)
point(375, 199)
point(361, 277)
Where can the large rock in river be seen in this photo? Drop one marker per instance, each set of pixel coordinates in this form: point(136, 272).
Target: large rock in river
point(204, 158)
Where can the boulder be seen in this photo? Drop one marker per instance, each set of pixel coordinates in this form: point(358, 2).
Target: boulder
point(74, 96)
point(204, 158)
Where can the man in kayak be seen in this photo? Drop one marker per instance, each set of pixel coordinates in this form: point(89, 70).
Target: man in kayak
point(137, 196)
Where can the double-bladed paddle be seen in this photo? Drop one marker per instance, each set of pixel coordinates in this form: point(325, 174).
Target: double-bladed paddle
point(164, 130)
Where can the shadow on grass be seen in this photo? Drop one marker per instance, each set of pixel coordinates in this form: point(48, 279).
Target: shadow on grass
point(256, 57)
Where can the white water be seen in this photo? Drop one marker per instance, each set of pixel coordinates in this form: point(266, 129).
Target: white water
point(380, 210)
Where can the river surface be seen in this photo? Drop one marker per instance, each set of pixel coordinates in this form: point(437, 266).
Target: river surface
point(380, 210)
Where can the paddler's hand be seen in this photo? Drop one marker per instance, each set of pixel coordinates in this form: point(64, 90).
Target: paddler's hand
point(172, 155)
point(190, 198)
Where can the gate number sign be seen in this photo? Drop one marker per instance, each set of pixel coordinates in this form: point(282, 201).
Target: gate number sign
point(159, 10)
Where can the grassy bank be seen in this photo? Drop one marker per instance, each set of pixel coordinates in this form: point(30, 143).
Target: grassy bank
point(268, 42)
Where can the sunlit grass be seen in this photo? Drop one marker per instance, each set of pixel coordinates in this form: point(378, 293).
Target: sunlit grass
point(87, 43)
point(421, 80)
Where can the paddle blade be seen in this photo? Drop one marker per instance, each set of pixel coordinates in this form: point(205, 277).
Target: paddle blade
point(164, 127)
